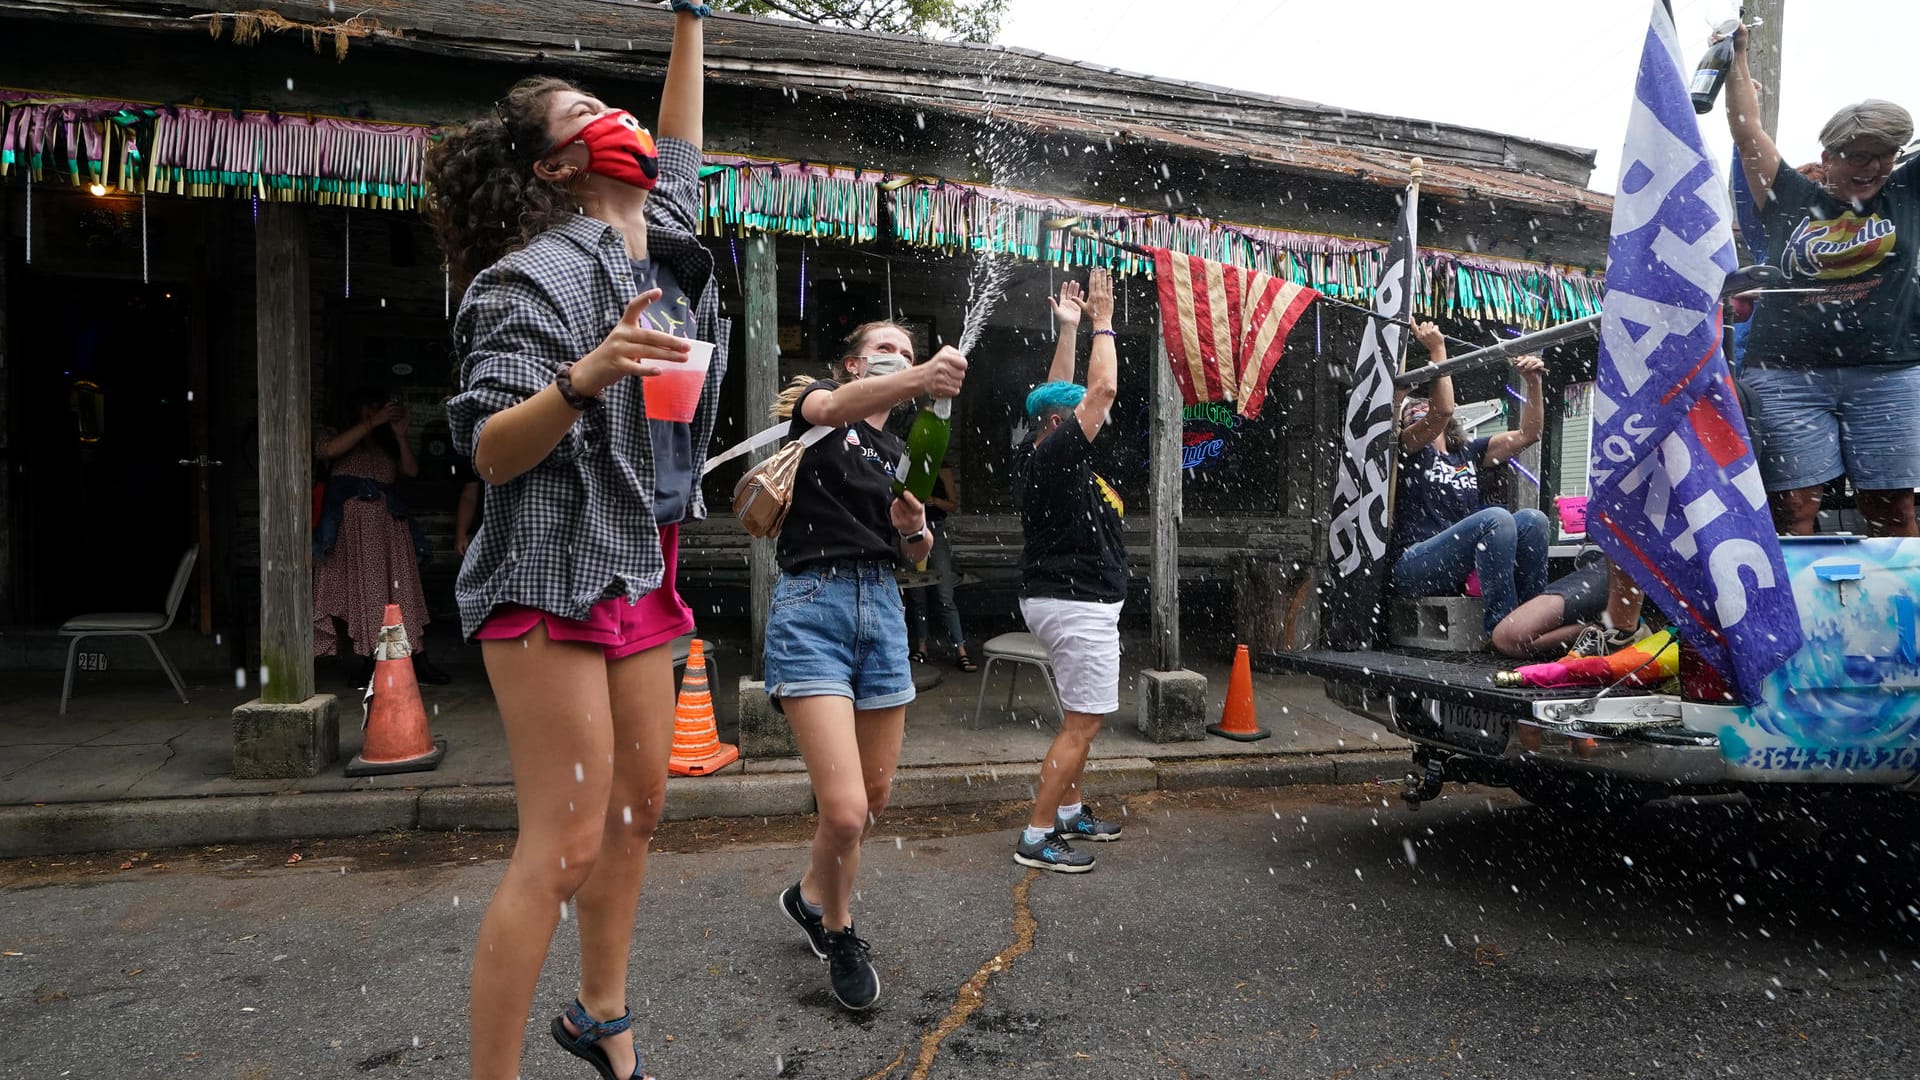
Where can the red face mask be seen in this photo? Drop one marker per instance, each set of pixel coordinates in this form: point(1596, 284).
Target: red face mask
point(618, 148)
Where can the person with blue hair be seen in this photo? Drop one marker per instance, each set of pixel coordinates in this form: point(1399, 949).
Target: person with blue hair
point(1073, 571)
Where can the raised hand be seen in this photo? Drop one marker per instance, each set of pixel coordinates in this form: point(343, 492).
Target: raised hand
point(943, 374)
point(1531, 368)
point(630, 348)
point(1099, 302)
point(1430, 338)
point(1066, 310)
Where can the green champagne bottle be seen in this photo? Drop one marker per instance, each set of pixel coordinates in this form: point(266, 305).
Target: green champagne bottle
point(926, 450)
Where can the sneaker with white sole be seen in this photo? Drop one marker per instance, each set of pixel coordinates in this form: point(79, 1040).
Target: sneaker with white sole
point(796, 909)
point(1052, 852)
point(850, 974)
point(1085, 826)
point(1597, 640)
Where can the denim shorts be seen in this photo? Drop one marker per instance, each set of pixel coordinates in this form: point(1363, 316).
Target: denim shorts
point(1811, 425)
point(839, 630)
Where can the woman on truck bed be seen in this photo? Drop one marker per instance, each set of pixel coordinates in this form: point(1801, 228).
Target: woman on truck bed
point(1441, 533)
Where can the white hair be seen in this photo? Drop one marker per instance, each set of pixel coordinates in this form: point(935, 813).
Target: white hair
point(1871, 119)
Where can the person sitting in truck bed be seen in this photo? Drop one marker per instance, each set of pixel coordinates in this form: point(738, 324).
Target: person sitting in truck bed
point(1441, 532)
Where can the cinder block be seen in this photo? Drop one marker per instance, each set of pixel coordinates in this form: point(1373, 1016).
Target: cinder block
point(1173, 706)
point(279, 742)
point(763, 731)
point(1439, 623)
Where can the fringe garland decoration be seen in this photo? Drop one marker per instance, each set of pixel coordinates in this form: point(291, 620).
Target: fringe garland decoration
point(180, 150)
point(211, 153)
point(801, 199)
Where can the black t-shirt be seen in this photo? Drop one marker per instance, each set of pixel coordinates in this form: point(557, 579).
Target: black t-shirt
point(1865, 261)
point(1437, 491)
point(1076, 546)
point(673, 478)
point(841, 495)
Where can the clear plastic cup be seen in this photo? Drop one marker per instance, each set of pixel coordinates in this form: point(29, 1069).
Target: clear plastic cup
point(674, 394)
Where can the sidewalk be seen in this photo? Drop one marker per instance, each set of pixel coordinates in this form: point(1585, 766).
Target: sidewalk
point(129, 766)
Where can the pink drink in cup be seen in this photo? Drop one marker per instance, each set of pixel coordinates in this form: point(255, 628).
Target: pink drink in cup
point(674, 394)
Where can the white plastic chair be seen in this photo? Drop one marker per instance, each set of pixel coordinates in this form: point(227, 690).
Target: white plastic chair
point(1016, 649)
point(143, 625)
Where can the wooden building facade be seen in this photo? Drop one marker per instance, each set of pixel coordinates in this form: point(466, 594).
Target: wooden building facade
point(211, 236)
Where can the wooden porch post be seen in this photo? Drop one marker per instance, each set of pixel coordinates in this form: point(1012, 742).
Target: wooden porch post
point(763, 731)
point(283, 325)
point(762, 386)
point(1172, 700)
point(1163, 471)
point(289, 731)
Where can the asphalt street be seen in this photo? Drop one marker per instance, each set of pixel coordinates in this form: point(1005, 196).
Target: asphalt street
point(1296, 933)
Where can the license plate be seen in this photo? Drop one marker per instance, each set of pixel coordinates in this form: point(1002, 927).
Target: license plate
point(1466, 727)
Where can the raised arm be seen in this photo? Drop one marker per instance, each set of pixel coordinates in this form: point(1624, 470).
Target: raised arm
point(1507, 445)
point(683, 102)
point(1103, 360)
point(1439, 393)
point(1066, 318)
point(940, 377)
point(1759, 158)
point(951, 480)
point(350, 438)
point(401, 425)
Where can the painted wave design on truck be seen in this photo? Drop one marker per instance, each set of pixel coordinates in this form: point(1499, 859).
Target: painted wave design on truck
point(1849, 701)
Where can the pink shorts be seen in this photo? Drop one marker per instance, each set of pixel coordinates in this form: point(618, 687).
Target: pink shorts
point(619, 628)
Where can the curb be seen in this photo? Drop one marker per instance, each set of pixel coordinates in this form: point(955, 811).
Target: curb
point(72, 828)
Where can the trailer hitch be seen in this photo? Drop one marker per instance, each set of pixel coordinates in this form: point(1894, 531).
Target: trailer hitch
point(1424, 780)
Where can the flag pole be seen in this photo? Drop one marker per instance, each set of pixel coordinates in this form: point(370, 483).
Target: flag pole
point(1414, 170)
point(1746, 281)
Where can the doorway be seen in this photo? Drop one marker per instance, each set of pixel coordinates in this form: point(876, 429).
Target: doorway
point(100, 417)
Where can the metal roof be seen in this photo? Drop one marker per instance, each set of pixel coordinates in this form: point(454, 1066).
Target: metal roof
point(1045, 92)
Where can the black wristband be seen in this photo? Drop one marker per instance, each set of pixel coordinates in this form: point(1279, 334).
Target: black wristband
point(563, 382)
point(915, 538)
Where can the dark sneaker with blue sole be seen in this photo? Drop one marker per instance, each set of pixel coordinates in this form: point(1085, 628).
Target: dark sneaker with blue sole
point(1052, 852)
point(855, 984)
point(1084, 826)
point(808, 922)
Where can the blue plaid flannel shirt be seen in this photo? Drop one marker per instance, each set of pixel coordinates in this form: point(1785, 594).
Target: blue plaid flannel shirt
point(578, 528)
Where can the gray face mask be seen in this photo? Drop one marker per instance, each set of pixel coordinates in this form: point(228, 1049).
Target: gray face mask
point(886, 364)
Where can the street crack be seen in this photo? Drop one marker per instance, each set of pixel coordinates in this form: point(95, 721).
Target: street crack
point(973, 992)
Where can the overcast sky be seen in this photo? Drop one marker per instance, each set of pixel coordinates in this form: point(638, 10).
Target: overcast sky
point(1545, 69)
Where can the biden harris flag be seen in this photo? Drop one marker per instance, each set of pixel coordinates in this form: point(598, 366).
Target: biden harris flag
point(1675, 496)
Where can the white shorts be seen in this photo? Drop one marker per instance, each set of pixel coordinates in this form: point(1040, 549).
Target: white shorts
point(1082, 639)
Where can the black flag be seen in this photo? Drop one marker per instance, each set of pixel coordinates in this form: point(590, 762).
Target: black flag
point(1363, 486)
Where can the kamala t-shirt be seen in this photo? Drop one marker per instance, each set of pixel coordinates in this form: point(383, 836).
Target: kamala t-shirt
point(1076, 547)
point(1437, 491)
point(842, 493)
point(1863, 260)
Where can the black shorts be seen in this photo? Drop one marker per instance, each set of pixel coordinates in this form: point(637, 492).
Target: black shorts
point(1584, 591)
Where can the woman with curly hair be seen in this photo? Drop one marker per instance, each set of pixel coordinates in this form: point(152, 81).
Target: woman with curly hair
point(577, 235)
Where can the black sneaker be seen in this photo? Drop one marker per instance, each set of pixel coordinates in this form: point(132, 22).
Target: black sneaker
point(1084, 826)
point(1052, 852)
point(855, 984)
point(808, 922)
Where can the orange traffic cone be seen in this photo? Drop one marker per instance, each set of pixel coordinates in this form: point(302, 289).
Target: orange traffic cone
point(1236, 720)
point(396, 738)
point(697, 749)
